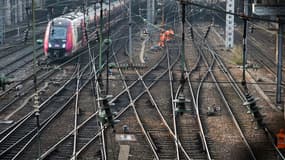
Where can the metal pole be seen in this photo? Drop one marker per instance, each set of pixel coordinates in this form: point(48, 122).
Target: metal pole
point(36, 98)
point(130, 32)
point(109, 44)
point(162, 14)
point(34, 47)
point(183, 38)
point(95, 15)
point(244, 59)
point(279, 65)
point(37, 114)
point(100, 34)
point(148, 15)
point(153, 12)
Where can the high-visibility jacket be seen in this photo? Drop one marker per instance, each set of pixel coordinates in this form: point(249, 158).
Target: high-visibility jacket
point(161, 40)
point(162, 37)
point(167, 35)
point(281, 139)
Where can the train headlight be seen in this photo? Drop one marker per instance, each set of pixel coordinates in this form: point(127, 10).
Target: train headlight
point(49, 45)
point(63, 45)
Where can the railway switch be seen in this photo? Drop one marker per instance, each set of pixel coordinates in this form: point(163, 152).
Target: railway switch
point(254, 110)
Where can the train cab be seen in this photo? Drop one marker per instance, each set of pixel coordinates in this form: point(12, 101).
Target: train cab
point(58, 38)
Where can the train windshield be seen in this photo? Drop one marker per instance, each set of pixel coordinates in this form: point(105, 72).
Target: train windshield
point(58, 32)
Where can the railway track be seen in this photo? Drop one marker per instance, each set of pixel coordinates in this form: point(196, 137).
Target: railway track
point(5, 134)
point(241, 118)
point(13, 105)
point(211, 62)
point(263, 136)
point(150, 134)
point(254, 46)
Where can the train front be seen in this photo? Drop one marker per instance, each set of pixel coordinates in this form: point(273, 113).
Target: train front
point(58, 41)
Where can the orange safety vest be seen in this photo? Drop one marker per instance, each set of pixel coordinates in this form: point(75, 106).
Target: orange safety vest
point(167, 35)
point(162, 37)
point(281, 139)
point(162, 40)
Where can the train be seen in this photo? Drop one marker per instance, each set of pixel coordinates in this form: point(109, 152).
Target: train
point(65, 35)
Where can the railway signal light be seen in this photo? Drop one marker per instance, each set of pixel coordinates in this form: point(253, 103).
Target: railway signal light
point(254, 110)
point(105, 114)
point(4, 81)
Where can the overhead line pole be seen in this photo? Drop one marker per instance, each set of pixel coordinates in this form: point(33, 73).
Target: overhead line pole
point(244, 57)
point(148, 15)
point(36, 98)
point(130, 32)
point(109, 45)
point(101, 35)
point(279, 65)
point(153, 11)
point(183, 38)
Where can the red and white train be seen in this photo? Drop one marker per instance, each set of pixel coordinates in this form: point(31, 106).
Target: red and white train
point(64, 35)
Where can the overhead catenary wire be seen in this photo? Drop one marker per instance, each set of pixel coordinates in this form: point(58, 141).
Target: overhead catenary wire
point(230, 13)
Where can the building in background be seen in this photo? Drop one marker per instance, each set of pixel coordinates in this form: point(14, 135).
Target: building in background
point(15, 11)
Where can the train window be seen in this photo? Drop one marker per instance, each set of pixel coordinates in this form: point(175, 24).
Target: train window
point(58, 32)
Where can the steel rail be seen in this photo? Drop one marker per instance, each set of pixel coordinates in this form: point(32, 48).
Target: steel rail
point(53, 148)
point(229, 108)
point(43, 78)
point(51, 118)
point(242, 97)
point(49, 151)
point(196, 100)
point(198, 112)
point(76, 108)
point(161, 115)
point(170, 75)
point(223, 97)
point(42, 107)
point(122, 111)
point(129, 105)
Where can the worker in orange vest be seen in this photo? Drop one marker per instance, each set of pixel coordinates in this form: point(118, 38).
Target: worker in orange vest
point(167, 35)
point(281, 139)
point(161, 39)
